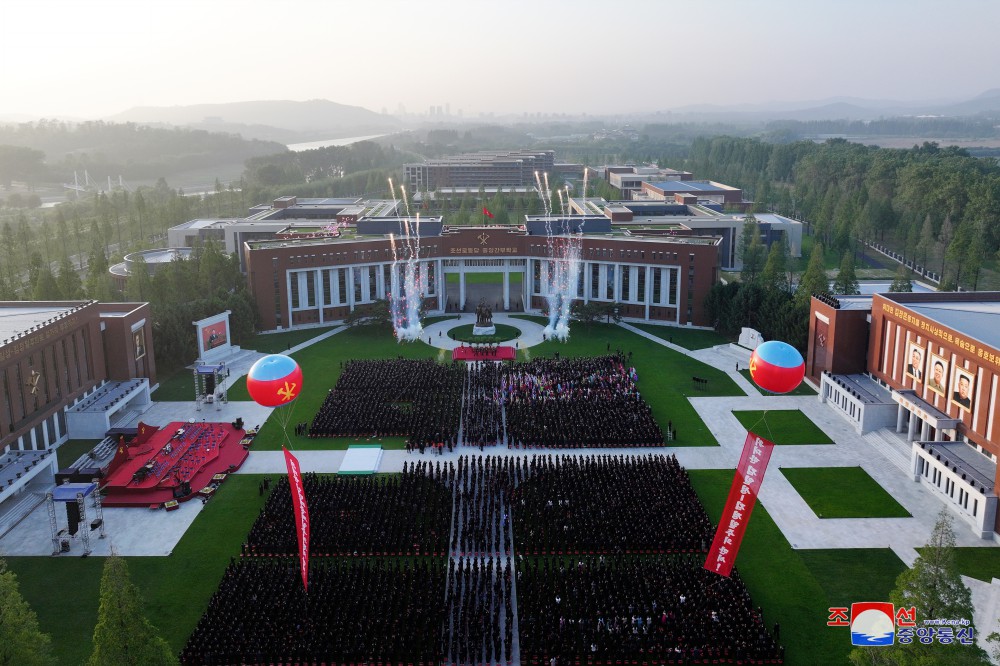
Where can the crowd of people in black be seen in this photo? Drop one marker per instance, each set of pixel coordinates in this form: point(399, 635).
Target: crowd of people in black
point(482, 416)
point(609, 557)
point(577, 402)
point(627, 609)
point(609, 505)
point(368, 610)
point(483, 487)
point(480, 619)
point(406, 514)
point(559, 403)
point(420, 400)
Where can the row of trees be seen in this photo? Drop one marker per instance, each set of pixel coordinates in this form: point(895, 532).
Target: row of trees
point(123, 635)
point(937, 206)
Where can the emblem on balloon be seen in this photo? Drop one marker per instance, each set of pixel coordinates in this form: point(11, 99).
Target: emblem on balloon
point(777, 367)
point(274, 380)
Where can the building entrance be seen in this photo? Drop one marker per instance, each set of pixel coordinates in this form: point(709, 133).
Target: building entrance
point(464, 290)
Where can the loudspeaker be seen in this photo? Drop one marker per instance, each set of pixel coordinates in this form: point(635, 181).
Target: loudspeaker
point(210, 384)
point(73, 517)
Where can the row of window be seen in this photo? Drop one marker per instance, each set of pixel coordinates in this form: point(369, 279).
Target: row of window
point(935, 476)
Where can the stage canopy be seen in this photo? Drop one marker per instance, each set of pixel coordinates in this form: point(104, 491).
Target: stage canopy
point(67, 492)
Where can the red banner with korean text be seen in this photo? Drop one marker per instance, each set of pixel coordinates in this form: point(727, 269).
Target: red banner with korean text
point(742, 498)
point(301, 513)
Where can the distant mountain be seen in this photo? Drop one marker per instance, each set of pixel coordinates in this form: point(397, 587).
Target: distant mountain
point(841, 108)
point(277, 119)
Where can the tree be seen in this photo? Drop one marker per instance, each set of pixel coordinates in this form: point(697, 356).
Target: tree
point(370, 314)
point(934, 588)
point(45, 288)
point(901, 283)
point(926, 242)
point(775, 273)
point(123, 634)
point(814, 280)
point(22, 643)
point(752, 252)
point(846, 281)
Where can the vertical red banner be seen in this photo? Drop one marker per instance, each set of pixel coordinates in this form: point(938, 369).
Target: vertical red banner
point(301, 513)
point(739, 506)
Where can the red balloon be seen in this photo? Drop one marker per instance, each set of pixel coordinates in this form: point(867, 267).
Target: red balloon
point(274, 380)
point(777, 367)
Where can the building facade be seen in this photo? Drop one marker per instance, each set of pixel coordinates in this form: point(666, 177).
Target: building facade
point(487, 169)
point(53, 354)
point(937, 357)
point(322, 280)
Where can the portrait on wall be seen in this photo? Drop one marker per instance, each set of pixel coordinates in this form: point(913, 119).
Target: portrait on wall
point(140, 344)
point(962, 386)
point(937, 374)
point(915, 361)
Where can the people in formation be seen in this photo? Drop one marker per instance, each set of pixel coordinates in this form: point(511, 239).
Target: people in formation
point(404, 514)
point(560, 403)
point(420, 400)
point(603, 553)
point(653, 609)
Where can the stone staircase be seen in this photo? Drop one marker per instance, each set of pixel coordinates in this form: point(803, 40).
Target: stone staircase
point(891, 448)
point(19, 511)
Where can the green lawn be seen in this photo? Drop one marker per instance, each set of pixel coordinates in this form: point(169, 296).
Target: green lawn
point(427, 321)
point(69, 451)
point(178, 386)
point(324, 443)
point(689, 338)
point(64, 590)
point(503, 334)
point(782, 426)
point(483, 278)
point(801, 389)
point(843, 492)
point(979, 563)
point(664, 374)
point(780, 581)
point(848, 575)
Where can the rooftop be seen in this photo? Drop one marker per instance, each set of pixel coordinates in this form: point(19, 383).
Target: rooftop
point(691, 186)
point(977, 319)
point(18, 319)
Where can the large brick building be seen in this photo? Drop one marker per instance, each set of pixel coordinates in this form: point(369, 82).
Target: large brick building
point(486, 169)
point(650, 278)
point(927, 365)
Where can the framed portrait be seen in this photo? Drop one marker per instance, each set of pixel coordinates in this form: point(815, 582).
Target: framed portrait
point(140, 344)
point(915, 361)
point(963, 385)
point(937, 374)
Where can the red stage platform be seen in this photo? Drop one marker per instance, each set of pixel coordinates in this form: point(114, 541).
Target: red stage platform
point(158, 462)
point(481, 354)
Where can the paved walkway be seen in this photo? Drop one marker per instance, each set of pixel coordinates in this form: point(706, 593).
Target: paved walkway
point(136, 532)
point(436, 334)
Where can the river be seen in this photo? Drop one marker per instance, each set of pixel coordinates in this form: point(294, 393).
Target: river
point(312, 145)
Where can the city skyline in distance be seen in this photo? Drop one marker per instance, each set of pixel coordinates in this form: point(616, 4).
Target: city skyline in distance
point(99, 59)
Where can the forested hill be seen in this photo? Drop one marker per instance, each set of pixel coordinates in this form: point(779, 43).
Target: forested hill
point(134, 151)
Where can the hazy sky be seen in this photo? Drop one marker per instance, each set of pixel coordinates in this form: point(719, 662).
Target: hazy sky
point(89, 58)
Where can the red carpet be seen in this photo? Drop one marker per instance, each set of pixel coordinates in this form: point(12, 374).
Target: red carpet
point(481, 354)
point(166, 460)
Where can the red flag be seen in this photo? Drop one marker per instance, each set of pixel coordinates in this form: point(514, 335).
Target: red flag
point(301, 513)
point(487, 212)
point(742, 498)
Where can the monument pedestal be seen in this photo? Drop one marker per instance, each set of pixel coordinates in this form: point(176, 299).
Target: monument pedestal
point(484, 330)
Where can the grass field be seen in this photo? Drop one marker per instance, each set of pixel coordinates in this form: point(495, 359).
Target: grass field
point(64, 591)
point(979, 563)
point(664, 375)
point(483, 278)
point(801, 389)
point(843, 492)
point(781, 582)
point(69, 451)
point(503, 334)
point(783, 426)
point(689, 338)
point(794, 588)
point(178, 386)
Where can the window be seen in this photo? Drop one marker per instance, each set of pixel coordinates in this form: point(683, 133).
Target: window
point(595, 280)
point(673, 287)
point(311, 288)
point(327, 296)
point(656, 284)
point(640, 283)
point(293, 278)
point(626, 282)
point(610, 291)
